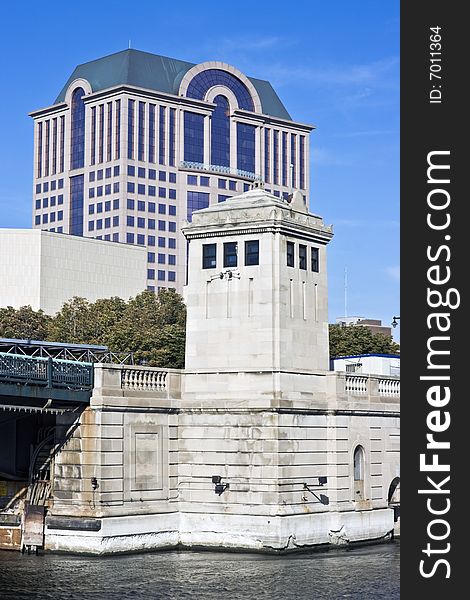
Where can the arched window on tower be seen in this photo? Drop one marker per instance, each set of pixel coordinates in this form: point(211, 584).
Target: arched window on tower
point(77, 133)
point(220, 132)
point(359, 474)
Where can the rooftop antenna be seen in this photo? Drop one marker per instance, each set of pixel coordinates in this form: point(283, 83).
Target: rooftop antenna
point(345, 291)
point(129, 44)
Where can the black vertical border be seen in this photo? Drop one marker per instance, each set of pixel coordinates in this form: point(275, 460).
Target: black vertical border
point(428, 127)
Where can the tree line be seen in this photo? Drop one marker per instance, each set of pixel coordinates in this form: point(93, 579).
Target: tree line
point(152, 326)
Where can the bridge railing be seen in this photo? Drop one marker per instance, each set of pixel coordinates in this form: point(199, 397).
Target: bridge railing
point(48, 372)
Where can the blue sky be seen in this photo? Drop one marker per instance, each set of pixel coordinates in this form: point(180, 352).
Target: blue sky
point(334, 65)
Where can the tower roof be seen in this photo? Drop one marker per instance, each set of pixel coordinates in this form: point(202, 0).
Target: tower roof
point(155, 72)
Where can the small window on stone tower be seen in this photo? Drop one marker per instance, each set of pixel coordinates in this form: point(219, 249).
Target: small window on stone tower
point(252, 252)
point(302, 257)
point(230, 254)
point(359, 473)
point(290, 254)
point(209, 256)
point(315, 261)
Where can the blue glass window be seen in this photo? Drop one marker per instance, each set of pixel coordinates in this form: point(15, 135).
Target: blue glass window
point(130, 187)
point(116, 204)
point(53, 184)
point(161, 137)
point(302, 161)
point(172, 177)
point(101, 134)
point(115, 171)
point(141, 132)
point(152, 174)
point(99, 190)
point(141, 172)
point(60, 199)
point(39, 156)
point(116, 221)
point(140, 205)
point(150, 273)
point(161, 259)
point(116, 187)
point(77, 141)
point(107, 189)
point(130, 129)
point(230, 254)
point(161, 275)
point(276, 156)
point(107, 172)
point(161, 192)
point(52, 200)
point(45, 186)
point(246, 187)
point(161, 175)
point(140, 222)
point(45, 202)
point(130, 238)
point(222, 184)
point(222, 198)
point(99, 224)
point(161, 209)
point(172, 194)
point(76, 205)
point(151, 207)
point(284, 159)
point(151, 240)
point(292, 159)
point(152, 190)
point(141, 239)
point(172, 226)
point(161, 242)
point(37, 220)
point(130, 221)
point(107, 223)
point(220, 132)
point(196, 201)
point(38, 204)
point(91, 209)
point(117, 140)
point(203, 81)
point(246, 147)
point(151, 257)
point(171, 276)
point(99, 207)
point(131, 170)
point(171, 259)
point(151, 133)
point(172, 137)
point(91, 226)
point(172, 211)
point(107, 206)
point(267, 158)
point(171, 243)
point(107, 237)
point(141, 189)
point(99, 174)
point(109, 141)
point(52, 217)
point(161, 226)
point(38, 188)
point(315, 262)
point(232, 185)
point(59, 229)
point(204, 181)
point(192, 179)
point(115, 237)
point(193, 137)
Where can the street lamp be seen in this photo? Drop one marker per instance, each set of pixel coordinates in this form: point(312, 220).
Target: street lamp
point(395, 321)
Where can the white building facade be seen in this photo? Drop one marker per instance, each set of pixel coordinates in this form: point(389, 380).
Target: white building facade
point(44, 269)
point(135, 142)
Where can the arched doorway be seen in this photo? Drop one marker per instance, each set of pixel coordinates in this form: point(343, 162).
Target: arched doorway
point(359, 474)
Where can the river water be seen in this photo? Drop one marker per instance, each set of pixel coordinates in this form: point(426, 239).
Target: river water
point(361, 573)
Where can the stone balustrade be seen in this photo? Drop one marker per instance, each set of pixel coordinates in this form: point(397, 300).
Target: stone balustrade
point(370, 385)
point(148, 379)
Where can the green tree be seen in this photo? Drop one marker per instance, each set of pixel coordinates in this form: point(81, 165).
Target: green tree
point(23, 323)
point(350, 340)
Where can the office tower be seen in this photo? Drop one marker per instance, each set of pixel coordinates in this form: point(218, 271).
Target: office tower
point(135, 142)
